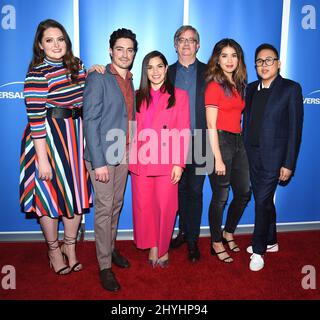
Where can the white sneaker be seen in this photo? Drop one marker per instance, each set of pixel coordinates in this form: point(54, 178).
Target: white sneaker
point(271, 248)
point(256, 263)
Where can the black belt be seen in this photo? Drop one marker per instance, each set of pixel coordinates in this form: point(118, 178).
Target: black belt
point(64, 113)
point(231, 133)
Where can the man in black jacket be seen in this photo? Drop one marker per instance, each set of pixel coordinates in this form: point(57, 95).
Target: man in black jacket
point(188, 73)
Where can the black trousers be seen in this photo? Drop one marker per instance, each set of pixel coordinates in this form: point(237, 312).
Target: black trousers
point(237, 176)
point(190, 202)
point(190, 193)
point(264, 184)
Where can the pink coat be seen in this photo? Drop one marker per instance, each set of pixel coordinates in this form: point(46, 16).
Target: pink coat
point(168, 140)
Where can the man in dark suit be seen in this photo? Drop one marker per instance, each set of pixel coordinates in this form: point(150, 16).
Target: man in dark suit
point(188, 73)
point(272, 130)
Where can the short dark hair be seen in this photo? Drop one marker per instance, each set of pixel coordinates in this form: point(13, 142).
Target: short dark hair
point(266, 46)
point(123, 33)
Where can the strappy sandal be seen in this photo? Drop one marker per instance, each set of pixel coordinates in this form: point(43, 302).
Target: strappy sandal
point(214, 253)
point(68, 241)
point(53, 246)
point(225, 241)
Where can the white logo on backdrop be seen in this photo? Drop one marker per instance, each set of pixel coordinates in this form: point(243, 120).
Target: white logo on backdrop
point(314, 99)
point(12, 90)
point(309, 20)
point(8, 17)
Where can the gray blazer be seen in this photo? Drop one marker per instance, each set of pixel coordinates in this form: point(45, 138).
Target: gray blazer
point(104, 110)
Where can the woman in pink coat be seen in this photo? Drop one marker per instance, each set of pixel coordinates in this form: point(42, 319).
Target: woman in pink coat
point(157, 157)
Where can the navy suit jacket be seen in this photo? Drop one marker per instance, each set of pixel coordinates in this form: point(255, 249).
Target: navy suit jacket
point(281, 128)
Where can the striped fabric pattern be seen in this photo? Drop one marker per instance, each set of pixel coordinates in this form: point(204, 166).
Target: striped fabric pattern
point(48, 86)
point(69, 191)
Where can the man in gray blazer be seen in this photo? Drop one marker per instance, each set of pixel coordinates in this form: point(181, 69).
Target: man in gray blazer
point(108, 109)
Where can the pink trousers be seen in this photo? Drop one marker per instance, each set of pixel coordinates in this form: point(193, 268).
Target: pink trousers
point(155, 204)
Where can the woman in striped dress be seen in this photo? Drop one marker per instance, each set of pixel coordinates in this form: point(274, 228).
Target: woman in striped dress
point(54, 182)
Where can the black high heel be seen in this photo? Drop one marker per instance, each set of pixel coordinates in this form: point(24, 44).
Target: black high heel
point(60, 271)
point(70, 241)
point(54, 245)
point(214, 253)
point(225, 241)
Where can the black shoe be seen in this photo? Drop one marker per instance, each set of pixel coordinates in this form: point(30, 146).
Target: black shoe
point(178, 241)
point(193, 251)
point(108, 280)
point(234, 248)
point(227, 259)
point(119, 260)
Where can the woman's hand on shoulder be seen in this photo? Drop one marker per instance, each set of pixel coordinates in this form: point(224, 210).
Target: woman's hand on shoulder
point(98, 68)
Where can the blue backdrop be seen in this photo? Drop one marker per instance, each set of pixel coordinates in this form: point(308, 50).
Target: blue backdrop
point(19, 20)
point(249, 22)
point(300, 199)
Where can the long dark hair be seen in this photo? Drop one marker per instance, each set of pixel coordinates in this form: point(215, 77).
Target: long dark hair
point(70, 62)
point(215, 73)
point(143, 93)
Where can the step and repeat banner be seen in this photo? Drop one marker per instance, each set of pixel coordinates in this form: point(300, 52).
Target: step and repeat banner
point(19, 21)
point(249, 22)
point(301, 199)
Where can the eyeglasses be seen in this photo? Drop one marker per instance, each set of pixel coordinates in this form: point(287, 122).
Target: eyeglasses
point(268, 61)
point(185, 40)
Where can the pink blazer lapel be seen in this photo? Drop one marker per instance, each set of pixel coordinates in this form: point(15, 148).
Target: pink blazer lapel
point(162, 105)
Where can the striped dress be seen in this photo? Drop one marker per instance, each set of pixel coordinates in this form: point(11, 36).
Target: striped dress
point(69, 191)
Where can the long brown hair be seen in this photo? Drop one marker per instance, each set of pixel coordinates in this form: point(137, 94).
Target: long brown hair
point(215, 73)
point(70, 62)
point(143, 93)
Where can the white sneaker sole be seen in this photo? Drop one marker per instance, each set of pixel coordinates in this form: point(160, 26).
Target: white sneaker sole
point(256, 268)
point(255, 263)
point(271, 248)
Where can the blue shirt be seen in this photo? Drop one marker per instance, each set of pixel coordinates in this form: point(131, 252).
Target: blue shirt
point(186, 79)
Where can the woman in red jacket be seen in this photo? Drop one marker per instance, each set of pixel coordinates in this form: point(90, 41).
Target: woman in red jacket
point(224, 101)
point(157, 157)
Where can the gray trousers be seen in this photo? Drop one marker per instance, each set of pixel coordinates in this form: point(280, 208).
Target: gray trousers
point(108, 200)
